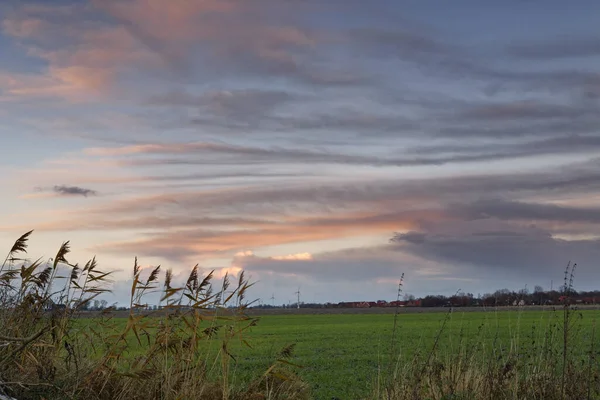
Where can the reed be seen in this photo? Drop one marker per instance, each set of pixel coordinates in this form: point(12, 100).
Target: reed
point(48, 351)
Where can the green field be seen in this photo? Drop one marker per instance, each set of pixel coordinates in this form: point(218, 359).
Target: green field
point(215, 346)
point(343, 354)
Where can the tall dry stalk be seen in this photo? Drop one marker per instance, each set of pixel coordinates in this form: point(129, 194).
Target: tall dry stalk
point(51, 348)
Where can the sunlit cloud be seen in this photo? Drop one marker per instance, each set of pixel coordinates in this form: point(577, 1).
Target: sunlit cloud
point(299, 256)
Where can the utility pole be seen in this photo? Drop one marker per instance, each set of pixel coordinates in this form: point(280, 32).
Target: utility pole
point(273, 299)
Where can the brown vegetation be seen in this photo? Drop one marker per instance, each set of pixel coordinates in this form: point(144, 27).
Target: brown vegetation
point(46, 353)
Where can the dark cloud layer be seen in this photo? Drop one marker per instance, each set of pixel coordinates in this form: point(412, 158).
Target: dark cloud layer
point(500, 248)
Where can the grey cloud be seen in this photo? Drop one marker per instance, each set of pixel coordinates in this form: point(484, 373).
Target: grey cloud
point(428, 116)
point(527, 252)
point(406, 44)
point(367, 273)
point(511, 129)
point(517, 210)
point(228, 154)
point(350, 265)
point(421, 47)
point(410, 237)
point(216, 154)
point(524, 110)
point(453, 227)
point(64, 190)
point(246, 174)
point(437, 58)
point(242, 104)
point(568, 82)
point(522, 148)
point(179, 253)
point(558, 48)
point(425, 192)
point(349, 121)
point(151, 222)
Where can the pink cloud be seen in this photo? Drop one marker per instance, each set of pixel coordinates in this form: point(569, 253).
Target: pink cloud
point(83, 57)
point(91, 55)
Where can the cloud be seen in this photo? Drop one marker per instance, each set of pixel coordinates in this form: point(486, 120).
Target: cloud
point(194, 243)
point(241, 104)
point(367, 264)
point(64, 190)
point(494, 247)
point(557, 48)
point(299, 256)
point(350, 274)
point(575, 180)
point(227, 154)
point(517, 210)
point(410, 237)
point(333, 204)
point(222, 153)
point(83, 58)
point(524, 110)
point(416, 208)
point(331, 277)
point(111, 47)
point(261, 76)
point(251, 44)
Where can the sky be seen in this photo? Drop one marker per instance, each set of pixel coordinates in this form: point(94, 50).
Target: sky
point(322, 145)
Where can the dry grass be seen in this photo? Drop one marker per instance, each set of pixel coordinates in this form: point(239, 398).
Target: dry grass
point(45, 353)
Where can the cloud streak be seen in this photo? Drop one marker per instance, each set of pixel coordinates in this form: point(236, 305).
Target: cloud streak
point(68, 191)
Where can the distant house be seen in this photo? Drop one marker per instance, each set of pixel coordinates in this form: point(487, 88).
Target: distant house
point(379, 304)
point(354, 304)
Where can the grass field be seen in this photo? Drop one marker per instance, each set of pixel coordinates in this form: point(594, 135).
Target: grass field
point(208, 344)
point(343, 354)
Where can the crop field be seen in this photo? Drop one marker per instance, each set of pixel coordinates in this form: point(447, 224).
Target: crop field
point(343, 355)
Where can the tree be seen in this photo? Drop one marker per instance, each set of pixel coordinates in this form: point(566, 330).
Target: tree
point(103, 304)
point(538, 289)
point(434, 301)
point(503, 296)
